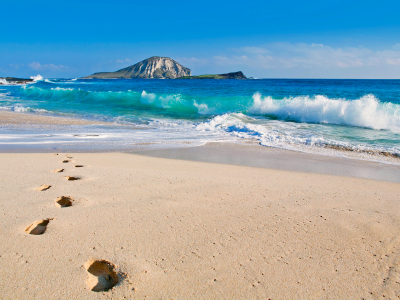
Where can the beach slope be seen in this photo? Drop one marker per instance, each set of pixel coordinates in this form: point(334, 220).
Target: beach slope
point(156, 228)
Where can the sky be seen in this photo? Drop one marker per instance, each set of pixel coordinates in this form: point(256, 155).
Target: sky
point(264, 39)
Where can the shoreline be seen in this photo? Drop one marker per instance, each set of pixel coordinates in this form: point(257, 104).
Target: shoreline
point(257, 156)
point(12, 118)
point(249, 153)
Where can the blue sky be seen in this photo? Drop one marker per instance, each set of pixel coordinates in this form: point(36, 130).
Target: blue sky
point(264, 39)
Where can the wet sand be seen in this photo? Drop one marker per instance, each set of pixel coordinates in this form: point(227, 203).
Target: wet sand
point(254, 155)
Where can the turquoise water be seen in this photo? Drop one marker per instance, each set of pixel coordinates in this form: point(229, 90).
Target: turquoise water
point(319, 116)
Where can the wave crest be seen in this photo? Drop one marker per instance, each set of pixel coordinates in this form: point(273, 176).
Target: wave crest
point(37, 78)
point(367, 111)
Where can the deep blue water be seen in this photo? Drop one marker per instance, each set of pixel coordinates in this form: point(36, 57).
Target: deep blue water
point(297, 114)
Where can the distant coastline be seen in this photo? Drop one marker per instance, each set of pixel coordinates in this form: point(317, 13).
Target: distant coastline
point(14, 81)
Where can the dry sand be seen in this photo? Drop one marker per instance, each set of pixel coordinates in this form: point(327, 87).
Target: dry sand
point(172, 229)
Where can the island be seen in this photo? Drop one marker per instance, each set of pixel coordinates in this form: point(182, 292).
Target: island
point(157, 67)
point(233, 75)
point(154, 67)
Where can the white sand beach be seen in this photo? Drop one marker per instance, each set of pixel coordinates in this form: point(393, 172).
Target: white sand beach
point(174, 229)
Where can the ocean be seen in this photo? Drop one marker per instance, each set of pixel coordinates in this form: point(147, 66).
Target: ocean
point(354, 118)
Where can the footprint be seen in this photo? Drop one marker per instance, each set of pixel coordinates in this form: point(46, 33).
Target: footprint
point(55, 153)
point(65, 161)
point(59, 170)
point(38, 227)
point(43, 187)
point(71, 178)
point(63, 201)
point(69, 157)
point(78, 166)
point(102, 276)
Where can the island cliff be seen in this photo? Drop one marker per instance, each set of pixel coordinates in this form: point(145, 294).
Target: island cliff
point(153, 67)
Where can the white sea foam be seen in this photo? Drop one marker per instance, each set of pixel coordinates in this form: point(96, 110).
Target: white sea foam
point(166, 101)
point(3, 81)
point(62, 89)
point(37, 78)
point(364, 112)
point(163, 101)
point(21, 108)
point(285, 135)
point(71, 81)
point(147, 98)
point(203, 108)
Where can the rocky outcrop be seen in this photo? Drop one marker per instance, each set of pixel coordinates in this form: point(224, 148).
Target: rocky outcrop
point(233, 75)
point(14, 81)
point(153, 67)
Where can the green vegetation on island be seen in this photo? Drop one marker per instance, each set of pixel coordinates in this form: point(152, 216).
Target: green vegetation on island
point(202, 77)
point(233, 75)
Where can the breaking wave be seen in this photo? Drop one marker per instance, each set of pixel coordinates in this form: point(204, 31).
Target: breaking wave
point(37, 78)
point(22, 109)
point(364, 112)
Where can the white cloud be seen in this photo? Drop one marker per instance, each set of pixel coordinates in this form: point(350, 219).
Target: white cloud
point(39, 67)
point(306, 56)
point(122, 61)
point(193, 60)
point(396, 46)
point(395, 62)
point(234, 60)
point(16, 66)
point(255, 50)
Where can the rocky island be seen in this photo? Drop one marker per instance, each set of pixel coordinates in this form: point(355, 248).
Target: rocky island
point(233, 75)
point(153, 67)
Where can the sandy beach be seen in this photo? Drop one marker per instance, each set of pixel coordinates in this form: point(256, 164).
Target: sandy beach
point(177, 150)
point(175, 229)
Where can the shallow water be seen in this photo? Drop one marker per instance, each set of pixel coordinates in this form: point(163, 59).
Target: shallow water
point(361, 117)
